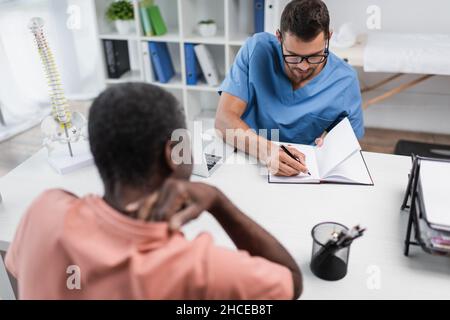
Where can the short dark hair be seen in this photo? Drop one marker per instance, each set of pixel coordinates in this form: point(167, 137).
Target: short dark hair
point(305, 19)
point(129, 125)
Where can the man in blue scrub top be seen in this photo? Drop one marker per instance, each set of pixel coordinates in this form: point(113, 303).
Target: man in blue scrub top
point(289, 82)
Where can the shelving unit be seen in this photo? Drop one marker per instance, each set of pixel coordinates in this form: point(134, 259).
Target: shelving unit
point(234, 19)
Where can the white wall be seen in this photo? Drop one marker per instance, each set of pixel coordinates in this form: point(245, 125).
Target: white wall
point(425, 107)
point(397, 15)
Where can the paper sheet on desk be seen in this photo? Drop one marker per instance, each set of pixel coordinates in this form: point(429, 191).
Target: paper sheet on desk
point(408, 53)
point(435, 186)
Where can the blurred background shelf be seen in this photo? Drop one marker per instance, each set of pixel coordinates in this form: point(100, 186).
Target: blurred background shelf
point(129, 76)
point(235, 23)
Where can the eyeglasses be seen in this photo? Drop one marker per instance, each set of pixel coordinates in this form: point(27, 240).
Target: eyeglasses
point(312, 59)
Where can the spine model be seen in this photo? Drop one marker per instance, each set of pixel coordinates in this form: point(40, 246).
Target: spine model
point(60, 111)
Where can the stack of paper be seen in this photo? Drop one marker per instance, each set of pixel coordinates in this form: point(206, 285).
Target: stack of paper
point(434, 189)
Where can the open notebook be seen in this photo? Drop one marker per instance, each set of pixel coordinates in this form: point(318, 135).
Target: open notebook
point(338, 160)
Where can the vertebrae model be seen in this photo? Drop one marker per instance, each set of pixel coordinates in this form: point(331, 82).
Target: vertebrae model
point(62, 126)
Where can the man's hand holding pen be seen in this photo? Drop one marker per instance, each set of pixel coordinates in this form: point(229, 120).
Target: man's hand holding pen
point(290, 163)
point(293, 156)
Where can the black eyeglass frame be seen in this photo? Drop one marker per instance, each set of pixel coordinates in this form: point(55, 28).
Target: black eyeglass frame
point(324, 56)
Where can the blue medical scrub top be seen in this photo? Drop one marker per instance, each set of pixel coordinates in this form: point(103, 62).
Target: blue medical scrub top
point(258, 77)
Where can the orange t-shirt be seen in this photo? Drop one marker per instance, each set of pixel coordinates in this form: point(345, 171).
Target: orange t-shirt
point(80, 248)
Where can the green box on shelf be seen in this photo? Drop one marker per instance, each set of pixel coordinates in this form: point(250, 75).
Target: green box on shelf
point(146, 28)
point(157, 22)
point(145, 19)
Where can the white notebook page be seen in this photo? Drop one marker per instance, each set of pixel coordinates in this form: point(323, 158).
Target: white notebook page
point(352, 170)
point(338, 145)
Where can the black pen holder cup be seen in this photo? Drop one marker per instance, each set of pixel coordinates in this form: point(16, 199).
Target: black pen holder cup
point(327, 264)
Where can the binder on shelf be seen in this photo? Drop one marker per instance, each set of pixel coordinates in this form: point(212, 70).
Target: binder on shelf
point(116, 57)
point(427, 201)
point(146, 62)
point(146, 25)
point(245, 19)
point(161, 61)
point(258, 15)
point(272, 14)
point(206, 61)
point(157, 23)
point(193, 70)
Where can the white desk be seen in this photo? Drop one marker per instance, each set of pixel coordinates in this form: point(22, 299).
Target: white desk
point(289, 212)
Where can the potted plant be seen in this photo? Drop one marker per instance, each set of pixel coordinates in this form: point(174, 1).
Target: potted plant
point(207, 28)
point(122, 13)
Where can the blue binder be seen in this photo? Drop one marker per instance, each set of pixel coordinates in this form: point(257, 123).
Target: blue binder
point(259, 15)
point(193, 71)
point(161, 61)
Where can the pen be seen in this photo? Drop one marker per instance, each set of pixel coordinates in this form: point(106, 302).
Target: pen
point(292, 156)
point(338, 241)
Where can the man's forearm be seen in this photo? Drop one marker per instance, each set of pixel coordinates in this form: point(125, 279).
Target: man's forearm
point(248, 235)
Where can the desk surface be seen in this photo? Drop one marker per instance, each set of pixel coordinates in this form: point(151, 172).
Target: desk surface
point(377, 267)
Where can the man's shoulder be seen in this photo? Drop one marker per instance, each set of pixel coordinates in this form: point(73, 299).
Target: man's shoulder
point(50, 201)
point(264, 37)
point(57, 196)
point(262, 42)
point(341, 66)
point(342, 72)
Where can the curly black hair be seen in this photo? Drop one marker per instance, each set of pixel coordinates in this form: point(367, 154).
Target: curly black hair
point(129, 125)
point(305, 19)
